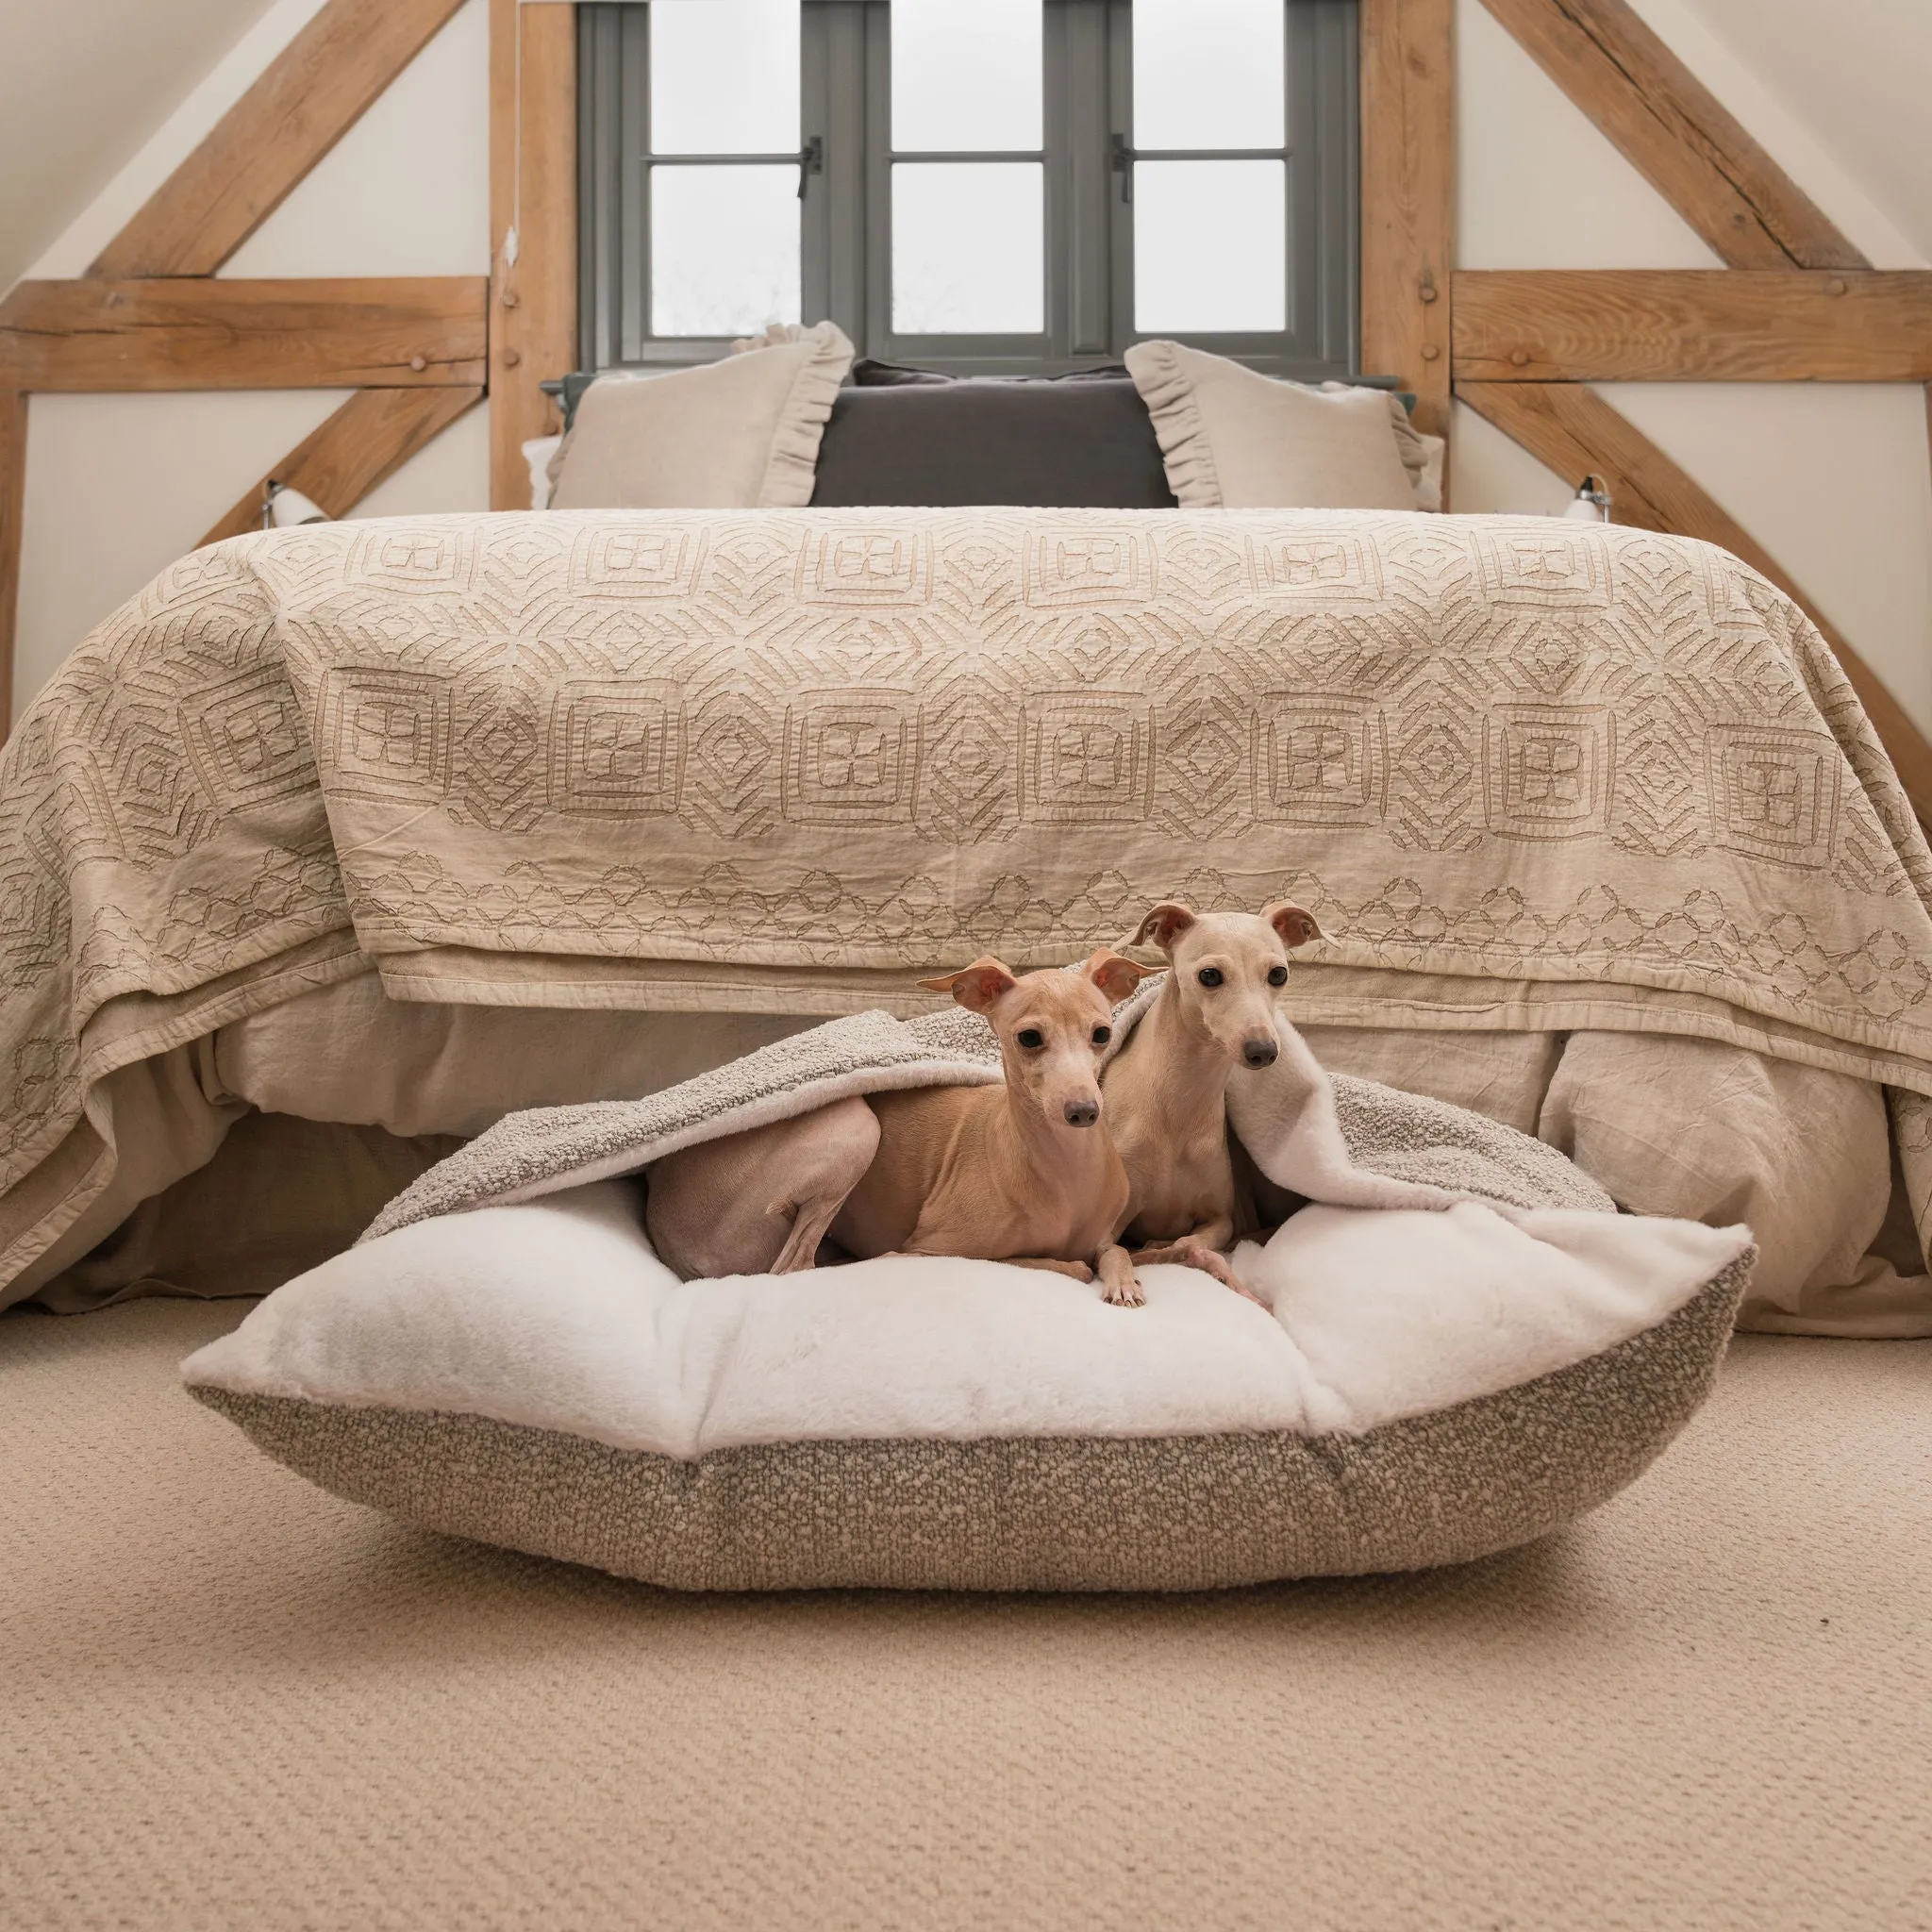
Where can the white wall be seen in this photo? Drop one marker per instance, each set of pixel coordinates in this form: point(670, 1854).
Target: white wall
point(119, 486)
point(1834, 480)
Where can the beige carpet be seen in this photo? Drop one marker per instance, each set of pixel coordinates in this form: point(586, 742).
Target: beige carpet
point(229, 1701)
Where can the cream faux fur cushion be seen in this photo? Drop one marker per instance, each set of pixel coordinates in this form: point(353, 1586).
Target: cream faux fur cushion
point(1232, 439)
point(1425, 1388)
point(740, 434)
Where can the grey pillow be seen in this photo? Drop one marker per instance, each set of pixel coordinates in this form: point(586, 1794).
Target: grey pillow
point(914, 436)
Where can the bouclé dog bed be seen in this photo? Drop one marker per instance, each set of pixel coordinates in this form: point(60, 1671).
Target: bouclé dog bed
point(1465, 1347)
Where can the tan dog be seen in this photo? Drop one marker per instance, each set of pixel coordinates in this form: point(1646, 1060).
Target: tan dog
point(1166, 1089)
point(1024, 1172)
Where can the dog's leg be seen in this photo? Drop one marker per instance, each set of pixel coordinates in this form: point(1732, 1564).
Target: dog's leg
point(1077, 1270)
point(705, 1207)
point(1200, 1249)
point(1120, 1285)
point(845, 1138)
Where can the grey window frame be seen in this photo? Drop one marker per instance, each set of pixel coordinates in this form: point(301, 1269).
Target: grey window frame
point(1089, 158)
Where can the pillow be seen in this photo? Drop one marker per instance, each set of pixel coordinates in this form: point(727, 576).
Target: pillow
point(740, 434)
point(1428, 1387)
point(914, 436)
point(1232, 439)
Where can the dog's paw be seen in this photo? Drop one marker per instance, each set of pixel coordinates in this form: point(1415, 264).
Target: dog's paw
point(1123, 1295)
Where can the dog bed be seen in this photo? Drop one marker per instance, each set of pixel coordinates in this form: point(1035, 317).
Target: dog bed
point(1465, 1347)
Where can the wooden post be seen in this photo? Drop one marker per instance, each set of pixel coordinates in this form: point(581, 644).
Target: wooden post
point(1699, 325)
point(13, 501)
point(533, 161)
point(1407, 197)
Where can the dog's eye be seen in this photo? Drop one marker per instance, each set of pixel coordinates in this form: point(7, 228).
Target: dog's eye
point(1102, 1035)
point(1209, 976)
point(1277, 976)
point(1031, 1037)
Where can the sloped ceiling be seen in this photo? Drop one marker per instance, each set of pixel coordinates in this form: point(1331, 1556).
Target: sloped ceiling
point(82, 84)
point(1859, 75)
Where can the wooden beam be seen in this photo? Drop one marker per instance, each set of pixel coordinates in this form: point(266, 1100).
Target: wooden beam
point(307, 99)
point(371, 436)
point(1407, 189)
point(533, 191)
point(12, 503)
point(1693, 325)
point(1574, 431)
point(1676, 133)
point(206, 334)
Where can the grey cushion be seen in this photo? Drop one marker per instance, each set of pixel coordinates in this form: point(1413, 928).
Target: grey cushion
point(908, 436)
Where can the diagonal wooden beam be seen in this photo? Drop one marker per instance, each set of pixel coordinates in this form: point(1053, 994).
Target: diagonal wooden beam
point(1407, 195)
point(1574, 432)
point(308, 98)
point(199, 333)
point(1676, 134)
point(1725, 324)
point(533, 190)
point(13, 501)
point(371, 436)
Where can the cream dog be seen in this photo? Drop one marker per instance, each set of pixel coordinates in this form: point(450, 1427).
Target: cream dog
point(1215, 1019)
point(1025, 1171)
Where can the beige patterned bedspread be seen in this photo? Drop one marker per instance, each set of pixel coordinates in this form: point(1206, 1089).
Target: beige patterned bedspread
point(1525, 771)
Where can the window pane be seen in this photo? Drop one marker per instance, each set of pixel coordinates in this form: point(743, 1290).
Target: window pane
point(968, 248)
point(723, 249)
point(724, 77)
point(1209, 73)
point(1210, 245)
point(966, 75)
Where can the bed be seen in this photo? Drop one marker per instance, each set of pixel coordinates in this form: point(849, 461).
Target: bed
point(340, 842)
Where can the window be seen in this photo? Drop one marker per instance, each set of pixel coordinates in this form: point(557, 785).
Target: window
point(986, 186)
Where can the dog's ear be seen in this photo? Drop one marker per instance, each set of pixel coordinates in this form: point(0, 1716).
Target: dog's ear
point(975, 986)
point(1295, 925)
point(1116, 978)
point(1163, 926)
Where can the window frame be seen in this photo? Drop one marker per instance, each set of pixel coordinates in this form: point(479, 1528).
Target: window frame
point(845, 231)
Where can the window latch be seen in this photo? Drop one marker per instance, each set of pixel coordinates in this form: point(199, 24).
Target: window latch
point(811, 160)
point(1125, 155)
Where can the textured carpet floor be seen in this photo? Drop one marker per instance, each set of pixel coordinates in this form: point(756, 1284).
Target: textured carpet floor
point(227, 1700)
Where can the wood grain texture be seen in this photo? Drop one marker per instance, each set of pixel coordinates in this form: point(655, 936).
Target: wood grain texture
point(13, 407)
point(1574, 431)
point(1674, 130)
point(1407, 186)
point(1693, 325)
point(533, 189)
point(371, 436)
point(177, 333)
point(305, 100)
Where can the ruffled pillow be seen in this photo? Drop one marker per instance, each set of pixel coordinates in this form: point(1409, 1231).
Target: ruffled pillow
point(740, 434)
point(1232, 439)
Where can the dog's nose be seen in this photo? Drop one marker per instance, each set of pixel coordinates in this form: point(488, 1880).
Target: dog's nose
point(1082, 1113)
point(1260, 1052)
